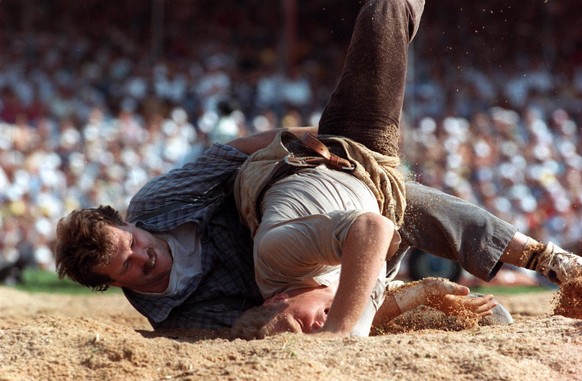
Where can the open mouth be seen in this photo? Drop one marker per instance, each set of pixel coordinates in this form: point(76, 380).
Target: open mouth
point(151, 263)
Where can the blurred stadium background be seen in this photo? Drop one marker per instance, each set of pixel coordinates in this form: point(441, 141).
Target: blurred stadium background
point(97, 96)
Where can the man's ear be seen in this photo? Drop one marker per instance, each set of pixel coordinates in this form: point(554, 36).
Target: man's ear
point(277, 298)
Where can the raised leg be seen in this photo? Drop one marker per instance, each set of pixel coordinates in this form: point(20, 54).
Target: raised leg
point(367, 103)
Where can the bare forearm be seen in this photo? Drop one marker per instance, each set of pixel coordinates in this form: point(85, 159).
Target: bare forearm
point(364, 253)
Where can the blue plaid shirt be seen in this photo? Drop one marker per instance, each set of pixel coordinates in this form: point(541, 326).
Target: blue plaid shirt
point(200, 192)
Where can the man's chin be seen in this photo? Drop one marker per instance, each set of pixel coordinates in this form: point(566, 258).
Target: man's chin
point(155, 286)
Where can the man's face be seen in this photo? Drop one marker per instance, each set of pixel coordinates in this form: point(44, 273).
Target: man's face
point(141, 262)
point(304, 312)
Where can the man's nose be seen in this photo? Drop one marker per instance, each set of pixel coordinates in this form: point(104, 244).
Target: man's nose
point(319, 320)
point(316, 325)
point(140, 257)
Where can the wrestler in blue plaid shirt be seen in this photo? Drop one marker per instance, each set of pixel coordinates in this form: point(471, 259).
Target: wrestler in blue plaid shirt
point(200, 192)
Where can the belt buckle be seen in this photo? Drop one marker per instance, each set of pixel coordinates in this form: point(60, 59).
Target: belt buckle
point(297, 161)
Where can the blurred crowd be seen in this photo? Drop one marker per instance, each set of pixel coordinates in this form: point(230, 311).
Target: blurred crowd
point(114, 93)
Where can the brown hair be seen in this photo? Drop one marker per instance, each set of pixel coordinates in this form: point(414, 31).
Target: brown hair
point(84, 243)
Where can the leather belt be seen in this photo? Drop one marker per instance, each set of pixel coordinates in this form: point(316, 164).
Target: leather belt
point(324, 156)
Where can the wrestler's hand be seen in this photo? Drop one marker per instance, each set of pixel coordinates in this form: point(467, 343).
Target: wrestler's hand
point(444, 295)
point(453, 299)
point(422, 292)
point(438, 287)
point(480, 305)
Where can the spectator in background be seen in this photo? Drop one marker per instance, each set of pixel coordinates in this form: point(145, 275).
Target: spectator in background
point(69, 79)
point(228, 124)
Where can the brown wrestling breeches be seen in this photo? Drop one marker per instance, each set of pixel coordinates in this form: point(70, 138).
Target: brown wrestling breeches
point(367, 103)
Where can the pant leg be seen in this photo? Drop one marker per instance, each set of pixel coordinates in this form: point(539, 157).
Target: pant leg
point(452, 228)
point(367, 103)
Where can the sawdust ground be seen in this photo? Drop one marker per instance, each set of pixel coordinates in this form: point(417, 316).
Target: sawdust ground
point(100, 337)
